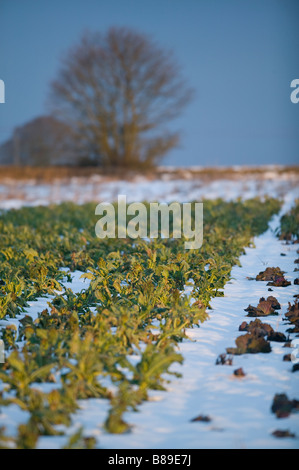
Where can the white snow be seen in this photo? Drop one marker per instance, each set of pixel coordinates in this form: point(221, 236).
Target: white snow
point(15, 194)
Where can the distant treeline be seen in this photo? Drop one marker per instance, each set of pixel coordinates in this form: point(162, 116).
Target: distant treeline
point(41, 142)
point(48, 173)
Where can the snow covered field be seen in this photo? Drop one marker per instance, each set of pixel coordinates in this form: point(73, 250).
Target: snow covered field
point(239, 408)
point(271, 182)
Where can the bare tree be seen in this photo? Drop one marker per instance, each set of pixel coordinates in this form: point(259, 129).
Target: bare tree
point(118, 92)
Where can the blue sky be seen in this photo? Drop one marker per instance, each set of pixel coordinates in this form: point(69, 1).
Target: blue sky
point(240, 56)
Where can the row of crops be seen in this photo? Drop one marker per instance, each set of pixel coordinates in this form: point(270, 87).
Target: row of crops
point(117, 338)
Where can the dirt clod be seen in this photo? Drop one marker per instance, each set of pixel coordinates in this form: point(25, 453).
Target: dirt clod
point(280, 281)
point(275, 304)
point(277, 336)
point(264, 308)
point(282, 406)
point(292, 316)
point(202, 418)
point(270, 274)
point(224, 359)
point(283, 433)
point(256, 327)
point(239, 372)
point(250, 343)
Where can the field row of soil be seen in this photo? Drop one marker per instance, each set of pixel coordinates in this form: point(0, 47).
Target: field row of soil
point(50, 173)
